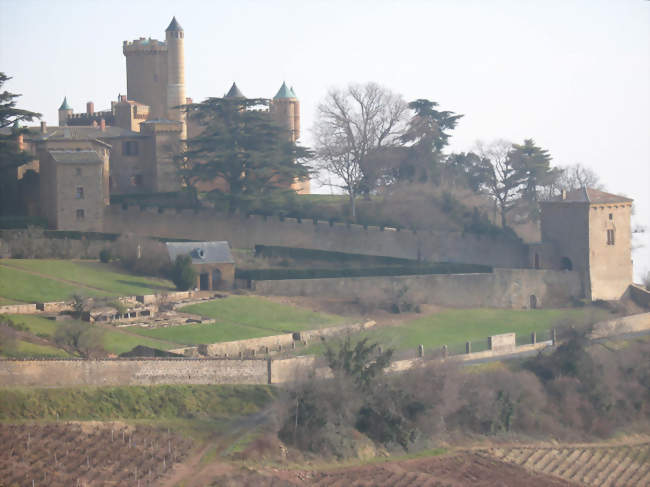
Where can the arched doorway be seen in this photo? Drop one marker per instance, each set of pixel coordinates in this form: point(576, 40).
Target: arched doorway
point(204, 281)
point(536, 260)
point(216, 278)
point(566, 264)
point(533, 301)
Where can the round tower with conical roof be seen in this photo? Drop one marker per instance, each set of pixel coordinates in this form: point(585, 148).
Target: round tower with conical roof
point(285, 109)
point(65, 111)
point(174, 36)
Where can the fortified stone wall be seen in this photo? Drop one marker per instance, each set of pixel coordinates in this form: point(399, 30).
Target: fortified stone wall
point(244, 232)
point(503, 288)
point(68, 373)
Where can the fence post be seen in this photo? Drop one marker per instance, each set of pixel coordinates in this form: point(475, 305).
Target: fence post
point(533, 338)
point(554, 336)
point(468, 347)
point(445, 352)
point(420, 351)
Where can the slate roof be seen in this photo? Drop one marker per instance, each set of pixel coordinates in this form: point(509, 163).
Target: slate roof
point(234, 92)
point(201, 252)
point(75, 157)
point(590, 195)
point(65, 105)
point(284, 92)
point(174, 26)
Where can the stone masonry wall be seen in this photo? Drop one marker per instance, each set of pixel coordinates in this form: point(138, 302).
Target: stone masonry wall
point(244, 232)
point(504, 288)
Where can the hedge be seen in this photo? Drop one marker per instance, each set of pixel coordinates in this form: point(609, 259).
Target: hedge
point(409, 270)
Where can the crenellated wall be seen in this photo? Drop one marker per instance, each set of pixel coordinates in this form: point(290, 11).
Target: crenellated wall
point(244, 232)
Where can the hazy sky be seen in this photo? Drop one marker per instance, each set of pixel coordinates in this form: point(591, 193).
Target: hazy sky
point(573, 75)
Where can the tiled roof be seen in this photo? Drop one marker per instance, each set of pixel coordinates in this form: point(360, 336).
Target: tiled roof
point(174, 25)
point(590, 195)
point(75, 156)
point(202, 252)
point(234, 92)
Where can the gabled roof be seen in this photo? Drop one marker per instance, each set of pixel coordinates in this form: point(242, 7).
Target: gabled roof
point(284, 92)
point(234, 92)
point(65, 105)
point(201, 252)
point(75, 157)
point(590, 195)
point(174, 26)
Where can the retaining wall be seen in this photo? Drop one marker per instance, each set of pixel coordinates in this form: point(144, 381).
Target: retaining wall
point(503, 288)
point(242, 232)
point(18, 309)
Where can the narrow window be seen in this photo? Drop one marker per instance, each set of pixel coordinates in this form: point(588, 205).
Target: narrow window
point(80, 193)
point(77, 171)
point(611, 216)
point(80, 214)
point(138, 180)
point(610, 237)
point(130, 148)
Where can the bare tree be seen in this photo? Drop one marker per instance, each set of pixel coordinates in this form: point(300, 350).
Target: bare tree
point(577, 176)
point(352, 123)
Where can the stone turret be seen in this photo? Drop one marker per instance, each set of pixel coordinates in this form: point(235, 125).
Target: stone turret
point(65, 111)
point(285, 109)
point(174, 36)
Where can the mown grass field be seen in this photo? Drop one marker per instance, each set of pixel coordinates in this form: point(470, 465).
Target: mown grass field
point(242, 317)
point(23, 349)
point(60, 279)
point(454, 327)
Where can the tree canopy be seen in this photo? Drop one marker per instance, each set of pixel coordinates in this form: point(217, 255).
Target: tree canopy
point(240, 153)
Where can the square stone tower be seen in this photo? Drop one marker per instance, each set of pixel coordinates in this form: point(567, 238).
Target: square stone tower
point(590, 232)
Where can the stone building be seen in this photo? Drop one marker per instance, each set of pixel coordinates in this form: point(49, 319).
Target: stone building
point(213, 262)
point(588, 231)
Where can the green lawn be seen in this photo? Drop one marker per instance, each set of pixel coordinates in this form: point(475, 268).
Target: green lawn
point(20, 286)
point(454, 327)
point(114, 340)
point(23, 349)
point(242, 317)
point(105, 278)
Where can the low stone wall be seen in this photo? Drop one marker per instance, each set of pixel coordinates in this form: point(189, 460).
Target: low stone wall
point(138, 372)
point(274, 343)
point(502, 342)
point(626, 324)
point(18, 309)
point(503, 288)
point(639, 295)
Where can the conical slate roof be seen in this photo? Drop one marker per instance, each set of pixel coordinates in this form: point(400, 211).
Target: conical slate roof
point(174, 26)
point(65, 105)
point(284, 92)
point(293, 93)
point(234, 92)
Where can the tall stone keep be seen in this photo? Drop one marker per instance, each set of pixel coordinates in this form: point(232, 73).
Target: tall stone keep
point(146, 74)
point(174, 36)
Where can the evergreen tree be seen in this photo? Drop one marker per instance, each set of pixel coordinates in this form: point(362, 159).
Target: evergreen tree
point(242, 151)
point(10, 155)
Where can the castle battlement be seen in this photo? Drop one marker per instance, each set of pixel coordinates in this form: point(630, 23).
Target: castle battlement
point(144, 46)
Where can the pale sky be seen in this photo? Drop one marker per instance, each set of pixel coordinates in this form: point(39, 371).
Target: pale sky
point(573, 75)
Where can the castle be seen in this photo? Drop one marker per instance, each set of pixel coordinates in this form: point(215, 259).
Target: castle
point(130, 148)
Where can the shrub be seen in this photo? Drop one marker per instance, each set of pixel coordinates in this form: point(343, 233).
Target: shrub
point(183, 274)
point(105, 255)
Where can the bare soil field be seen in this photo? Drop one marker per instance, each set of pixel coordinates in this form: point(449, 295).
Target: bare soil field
point(70, 454)
point(597, 466)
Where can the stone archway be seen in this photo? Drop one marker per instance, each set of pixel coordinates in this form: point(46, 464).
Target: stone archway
point(533, 301)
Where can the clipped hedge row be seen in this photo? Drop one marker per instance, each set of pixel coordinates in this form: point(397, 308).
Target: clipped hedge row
point(330, 256)
point(409, 270)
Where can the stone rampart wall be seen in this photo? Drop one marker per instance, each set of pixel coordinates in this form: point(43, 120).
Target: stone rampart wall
point(503, 288)
point(244, 232)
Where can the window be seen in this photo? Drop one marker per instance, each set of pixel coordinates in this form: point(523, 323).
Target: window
point(610, 237)
point(611, 216)
point(136, 180)
point(130, 148)
point(77, 171)
point(80, 193)
point(81, 214)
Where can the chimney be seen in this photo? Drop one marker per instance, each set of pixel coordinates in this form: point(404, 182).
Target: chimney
point(564, 194)
point(43, 127)
point(95, 123)
point(102, 125)
point(90, 108)
point(123, 98)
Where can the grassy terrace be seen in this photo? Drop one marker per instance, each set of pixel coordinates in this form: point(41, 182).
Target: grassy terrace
point(113, 340)
point(454, 327)
point(242, 317)
point(34, 280)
